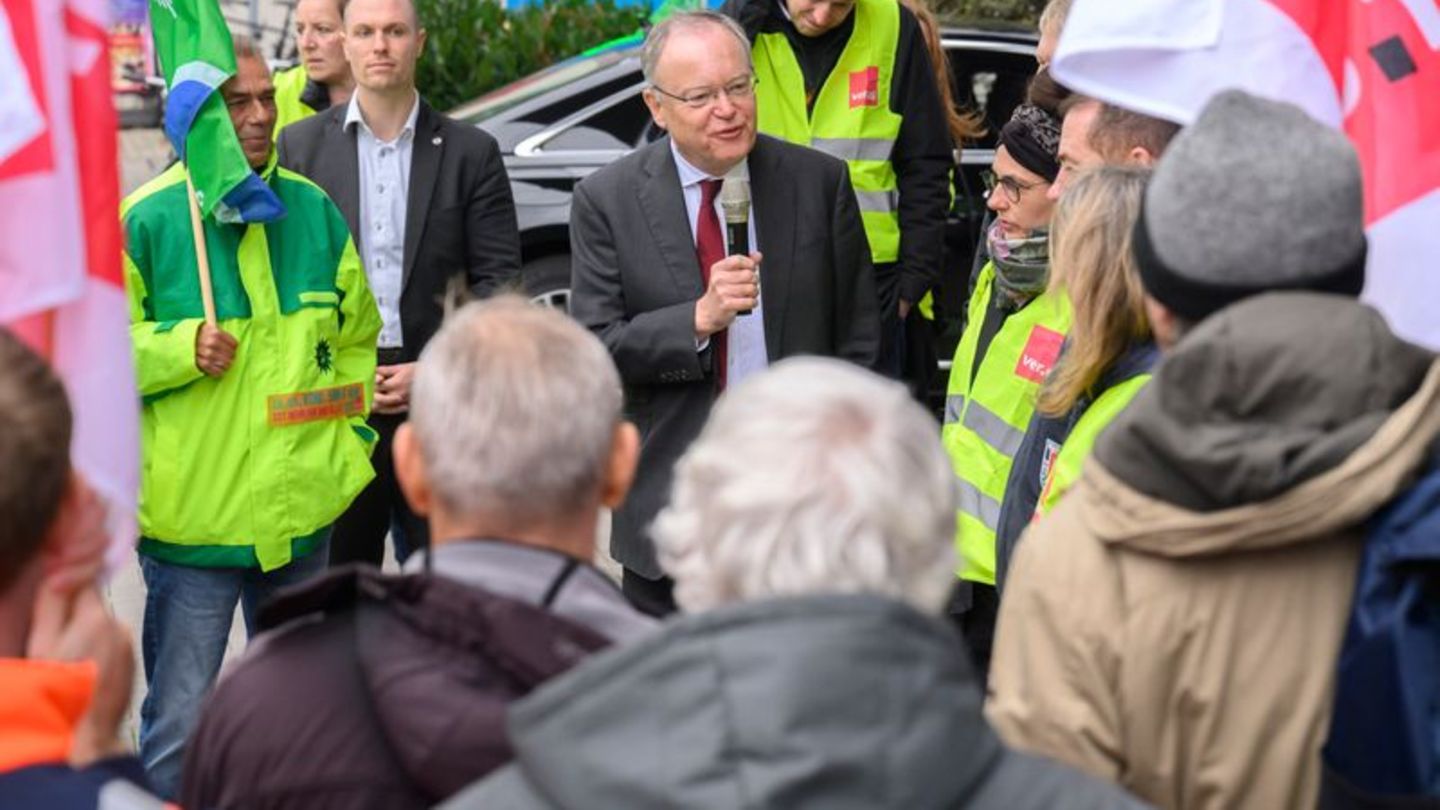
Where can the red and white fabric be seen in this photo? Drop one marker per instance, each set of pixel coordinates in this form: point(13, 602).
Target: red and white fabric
point(60, 281)
point(1369, 66)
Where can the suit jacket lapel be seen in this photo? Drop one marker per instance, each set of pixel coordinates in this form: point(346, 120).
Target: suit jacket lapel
point(347, 171)
point(775, 224)
point(663, 202)
point(424, 169)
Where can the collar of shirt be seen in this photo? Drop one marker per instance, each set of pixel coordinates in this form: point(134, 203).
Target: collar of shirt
point(541, 577)
point(353, 117)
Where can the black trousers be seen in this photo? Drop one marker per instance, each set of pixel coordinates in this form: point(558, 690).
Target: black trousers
point(973, 610)
point(359, 534)
point(655, 597)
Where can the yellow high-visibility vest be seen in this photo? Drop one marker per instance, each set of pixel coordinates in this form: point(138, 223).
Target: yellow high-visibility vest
point(851, 118)
point(985, 422)
point(289, 84)
point(1065, 467)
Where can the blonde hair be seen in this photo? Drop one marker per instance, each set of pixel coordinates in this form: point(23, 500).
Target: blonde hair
point(1091, 260)
point(964, 126)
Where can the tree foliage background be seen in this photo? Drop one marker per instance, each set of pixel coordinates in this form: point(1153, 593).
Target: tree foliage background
point(475, 46)
point(1024, 12)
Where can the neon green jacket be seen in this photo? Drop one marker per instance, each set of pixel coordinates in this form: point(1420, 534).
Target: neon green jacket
point(289, 86)
point(851, 119)
point(986, 418)
point(249, 468)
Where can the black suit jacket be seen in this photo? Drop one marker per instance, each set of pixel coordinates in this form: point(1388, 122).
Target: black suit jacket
point(636, 277)
point(460, 216)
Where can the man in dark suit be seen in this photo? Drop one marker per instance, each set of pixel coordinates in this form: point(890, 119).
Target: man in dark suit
point(651, 276)
point(427, 200)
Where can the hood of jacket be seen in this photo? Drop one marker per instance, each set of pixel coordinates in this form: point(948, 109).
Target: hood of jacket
point(779, 703)
point(1283, 418)
point(441, 661)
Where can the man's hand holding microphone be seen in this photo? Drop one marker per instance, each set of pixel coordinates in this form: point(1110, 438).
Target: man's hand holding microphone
point(735, 280)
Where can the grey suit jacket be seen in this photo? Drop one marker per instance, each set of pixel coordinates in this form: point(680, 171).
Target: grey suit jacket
point(636, 277)
point(460, 216)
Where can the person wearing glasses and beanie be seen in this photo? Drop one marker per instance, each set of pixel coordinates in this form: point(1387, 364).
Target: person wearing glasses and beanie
point(1011, 340)
point(653, 277)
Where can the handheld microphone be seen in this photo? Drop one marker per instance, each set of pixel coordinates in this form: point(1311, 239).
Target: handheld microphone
point(735, 202)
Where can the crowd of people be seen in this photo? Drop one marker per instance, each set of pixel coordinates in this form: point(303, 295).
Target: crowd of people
point(1117, 573)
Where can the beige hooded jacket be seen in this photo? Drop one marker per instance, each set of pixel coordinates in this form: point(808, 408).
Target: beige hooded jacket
point(1174, 624)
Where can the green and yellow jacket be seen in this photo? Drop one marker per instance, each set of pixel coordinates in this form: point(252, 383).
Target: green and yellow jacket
point(252, 467)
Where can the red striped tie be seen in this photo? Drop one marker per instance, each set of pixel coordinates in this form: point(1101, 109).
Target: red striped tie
point(710, 248)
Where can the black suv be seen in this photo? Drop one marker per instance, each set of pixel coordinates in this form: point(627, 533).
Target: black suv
point(558, 125)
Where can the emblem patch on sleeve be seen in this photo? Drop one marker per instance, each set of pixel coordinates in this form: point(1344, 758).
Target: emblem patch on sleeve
point(339, 402)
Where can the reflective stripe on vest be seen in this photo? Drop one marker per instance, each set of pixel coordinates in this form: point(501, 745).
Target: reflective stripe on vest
point(851, 118)
point(1065, 467)
point(986, 422)
point(289, 84)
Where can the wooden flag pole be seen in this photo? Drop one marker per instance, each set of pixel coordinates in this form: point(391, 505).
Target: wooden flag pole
point(202, 256)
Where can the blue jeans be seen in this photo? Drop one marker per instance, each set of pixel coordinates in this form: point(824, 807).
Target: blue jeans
point(188, 613)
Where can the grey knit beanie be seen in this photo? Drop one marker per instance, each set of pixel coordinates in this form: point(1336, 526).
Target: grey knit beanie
point(1254, 196)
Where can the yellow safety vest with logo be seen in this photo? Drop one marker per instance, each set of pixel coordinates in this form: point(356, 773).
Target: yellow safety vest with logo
point(851, 118)
point(1065, 467)
point(289, 85)
point(985, 422)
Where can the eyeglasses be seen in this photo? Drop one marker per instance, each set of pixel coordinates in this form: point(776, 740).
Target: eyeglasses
point(1013, 188)
point(700, 99)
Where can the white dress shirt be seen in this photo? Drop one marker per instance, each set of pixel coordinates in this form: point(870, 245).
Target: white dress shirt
point(746, 348)
point(384, 190)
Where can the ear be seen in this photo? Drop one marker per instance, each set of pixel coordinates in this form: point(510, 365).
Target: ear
point(620, 468)
point(410, 471)
point(653, 102)
point(420, 43)
point(1163, 324)
point(1140, 156)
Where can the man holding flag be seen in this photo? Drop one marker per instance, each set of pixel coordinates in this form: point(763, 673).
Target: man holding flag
point(254, 338)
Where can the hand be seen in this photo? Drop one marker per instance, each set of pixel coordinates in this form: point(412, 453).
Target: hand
point(734, 288)
point(214, 350)
point(904, 309)
point(73, 625)
point(392, 387)
point(76, 555)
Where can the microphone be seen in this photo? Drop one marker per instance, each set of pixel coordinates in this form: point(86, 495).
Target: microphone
point(735, 202)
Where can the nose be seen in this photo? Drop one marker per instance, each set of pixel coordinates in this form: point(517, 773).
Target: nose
point(723, 106)
point(1053, 192)
point(996, 200)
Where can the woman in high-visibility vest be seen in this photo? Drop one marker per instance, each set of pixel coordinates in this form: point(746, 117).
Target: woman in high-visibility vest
point(1108, 353)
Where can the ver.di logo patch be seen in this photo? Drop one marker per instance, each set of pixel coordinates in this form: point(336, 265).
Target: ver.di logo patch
point(1042, 349)
point(865, 87)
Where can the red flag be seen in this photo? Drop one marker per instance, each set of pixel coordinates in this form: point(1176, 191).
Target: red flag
point(60, 280)
point(1369, 66)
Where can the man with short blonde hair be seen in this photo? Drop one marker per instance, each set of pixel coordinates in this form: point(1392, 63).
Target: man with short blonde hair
point(428, 201)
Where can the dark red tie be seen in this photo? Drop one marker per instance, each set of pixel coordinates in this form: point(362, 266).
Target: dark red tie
point(710, 248)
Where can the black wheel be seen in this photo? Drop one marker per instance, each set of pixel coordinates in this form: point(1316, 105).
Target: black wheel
point(547, 281)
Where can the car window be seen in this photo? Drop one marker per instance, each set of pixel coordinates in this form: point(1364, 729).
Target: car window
point(619, 127)
point(991, 82)
point(571, 75)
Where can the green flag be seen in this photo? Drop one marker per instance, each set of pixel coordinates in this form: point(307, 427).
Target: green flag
point(192, 42)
